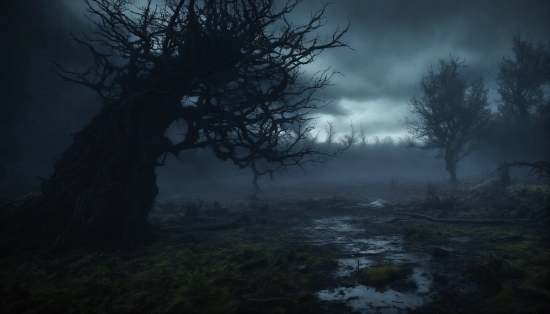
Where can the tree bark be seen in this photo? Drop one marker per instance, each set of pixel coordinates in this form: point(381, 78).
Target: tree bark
point(257, 188)
point(104, 184)
point(450, 165)
point(452, 171)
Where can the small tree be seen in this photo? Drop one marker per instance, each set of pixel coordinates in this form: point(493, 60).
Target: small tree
point(349, 138)
point(331, 132)
point(362, 135)
point(452, 114)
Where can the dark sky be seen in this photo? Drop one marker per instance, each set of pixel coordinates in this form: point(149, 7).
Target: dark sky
point(395, 41)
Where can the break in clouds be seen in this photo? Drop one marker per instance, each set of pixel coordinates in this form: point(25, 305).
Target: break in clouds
point(392, 45)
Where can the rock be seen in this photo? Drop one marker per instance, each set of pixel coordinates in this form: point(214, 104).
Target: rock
point(440, 252)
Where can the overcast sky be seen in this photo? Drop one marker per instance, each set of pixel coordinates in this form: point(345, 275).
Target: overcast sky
point(395, 41)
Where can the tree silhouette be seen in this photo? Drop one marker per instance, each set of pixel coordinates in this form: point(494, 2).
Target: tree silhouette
point(521, 131)
point(520, 80)
point(229, 70)
point(331, 132)
point(452, 114)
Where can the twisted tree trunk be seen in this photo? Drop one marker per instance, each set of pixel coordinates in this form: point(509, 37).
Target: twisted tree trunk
point(104, 184)
point(450, 165)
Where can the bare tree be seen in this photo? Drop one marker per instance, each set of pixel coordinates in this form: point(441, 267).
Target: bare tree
point(362, 136)
point(350, 138)
point(388, 140)
point(521, 79)
point(521, 131)
point(331, 132)
point(452, 114)
point(240, 63)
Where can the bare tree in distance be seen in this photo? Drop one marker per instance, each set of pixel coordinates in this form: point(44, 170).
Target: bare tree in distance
point(349, 138)
point(388, 140)
point(331, 132)
point(362, 136)
point(452, 114)
point(521, 79)
point(237, 66)
point(524, 110)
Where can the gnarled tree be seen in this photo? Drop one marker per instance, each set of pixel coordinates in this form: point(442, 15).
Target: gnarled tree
point(452, 114)
point(228, 69)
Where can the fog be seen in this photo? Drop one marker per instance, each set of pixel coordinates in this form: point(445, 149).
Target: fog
point(199, 174)
point(380, 74)
point(392, 189)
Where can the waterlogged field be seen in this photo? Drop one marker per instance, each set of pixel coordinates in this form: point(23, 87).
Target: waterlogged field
point(366, 249)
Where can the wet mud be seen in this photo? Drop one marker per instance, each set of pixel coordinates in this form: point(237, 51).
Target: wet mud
point(364, 241)
point(345, 250)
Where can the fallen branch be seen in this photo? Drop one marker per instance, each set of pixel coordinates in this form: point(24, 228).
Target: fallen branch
point(541, 167)
point(467, 221)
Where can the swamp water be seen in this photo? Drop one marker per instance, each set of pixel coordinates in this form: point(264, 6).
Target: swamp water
point(361, 238)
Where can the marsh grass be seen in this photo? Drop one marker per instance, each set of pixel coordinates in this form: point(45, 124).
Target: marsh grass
point(178, 272)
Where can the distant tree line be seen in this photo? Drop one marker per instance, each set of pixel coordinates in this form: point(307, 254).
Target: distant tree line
point(453, 116)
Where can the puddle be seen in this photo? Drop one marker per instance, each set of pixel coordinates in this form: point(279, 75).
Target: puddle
point(364, 299)
point(338, 230)
point(461, 239)
point(376, 204)
point(362, 249)
point(376, 245)
point(347, 265)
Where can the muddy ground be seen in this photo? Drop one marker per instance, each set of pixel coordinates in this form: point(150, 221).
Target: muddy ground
point(333, 249)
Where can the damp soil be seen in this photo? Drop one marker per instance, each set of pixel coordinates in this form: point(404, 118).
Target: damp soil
point(344, 249)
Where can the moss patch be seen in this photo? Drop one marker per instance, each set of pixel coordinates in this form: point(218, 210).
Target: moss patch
point(381, 275)
point(185, 270)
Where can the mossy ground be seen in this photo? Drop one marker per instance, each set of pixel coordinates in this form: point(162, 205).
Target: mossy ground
point(509, 262)
point(191, 270)
point(180, 271)
point(380, 276)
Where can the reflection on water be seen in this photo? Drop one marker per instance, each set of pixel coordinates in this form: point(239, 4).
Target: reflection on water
point(376, 204)
point(460, 239)
point(366, 299)
point(363, 250)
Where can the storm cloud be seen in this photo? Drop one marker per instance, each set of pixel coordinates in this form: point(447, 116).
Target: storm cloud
point(393, 43)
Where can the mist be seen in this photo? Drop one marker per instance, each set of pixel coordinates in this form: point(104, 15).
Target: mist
point(52, 109)
point(216, 156)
